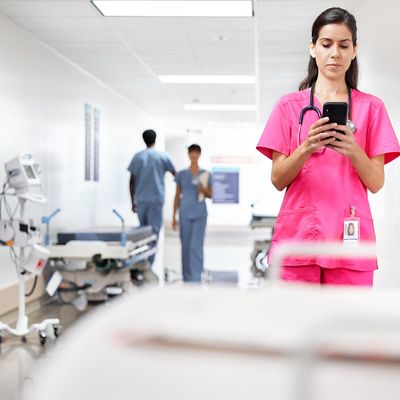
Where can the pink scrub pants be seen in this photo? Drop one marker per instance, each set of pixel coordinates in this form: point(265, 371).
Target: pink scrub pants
point(327, 276)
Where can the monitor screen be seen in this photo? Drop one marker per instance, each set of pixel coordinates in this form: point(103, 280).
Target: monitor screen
point(29, 172)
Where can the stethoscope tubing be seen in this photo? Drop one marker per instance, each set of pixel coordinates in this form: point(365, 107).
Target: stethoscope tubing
point(311, 107)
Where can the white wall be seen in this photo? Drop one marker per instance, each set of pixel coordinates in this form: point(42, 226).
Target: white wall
point(42, 99)
point(379, 41)
point(235, 146)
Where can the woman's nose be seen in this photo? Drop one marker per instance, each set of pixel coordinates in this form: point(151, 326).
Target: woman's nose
point(335, 52)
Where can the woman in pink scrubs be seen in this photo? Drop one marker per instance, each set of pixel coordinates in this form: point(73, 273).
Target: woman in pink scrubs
point(327, 180)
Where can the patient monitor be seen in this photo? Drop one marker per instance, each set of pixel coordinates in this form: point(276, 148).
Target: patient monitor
point(21, 172)
point(22, 181)
point(22, 176)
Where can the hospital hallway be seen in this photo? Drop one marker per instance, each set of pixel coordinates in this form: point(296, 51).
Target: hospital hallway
point(178, 221)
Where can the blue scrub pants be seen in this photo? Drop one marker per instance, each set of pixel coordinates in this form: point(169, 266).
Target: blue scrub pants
point(192, 233)
point(150, 214)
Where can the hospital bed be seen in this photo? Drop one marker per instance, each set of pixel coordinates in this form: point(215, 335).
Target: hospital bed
point(260, 220)
point(282, 341)
point(102, 262)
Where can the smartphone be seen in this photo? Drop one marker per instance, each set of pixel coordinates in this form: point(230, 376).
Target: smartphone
point(337, 112)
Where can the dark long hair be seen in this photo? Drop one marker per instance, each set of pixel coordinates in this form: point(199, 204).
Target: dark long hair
point(334, 15)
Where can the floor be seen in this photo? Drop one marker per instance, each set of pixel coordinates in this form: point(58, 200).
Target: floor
point(18, 358)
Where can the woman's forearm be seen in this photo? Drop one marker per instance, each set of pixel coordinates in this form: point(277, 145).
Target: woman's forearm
point(286, 168)
point(208, 192)
point(176, 206)
point(369, 170)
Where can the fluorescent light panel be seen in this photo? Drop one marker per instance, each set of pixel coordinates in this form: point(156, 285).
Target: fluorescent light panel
point(180, 8)
point(219, 107)
point(209, 79)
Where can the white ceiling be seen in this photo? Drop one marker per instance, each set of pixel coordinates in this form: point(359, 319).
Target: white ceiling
point(128, 53)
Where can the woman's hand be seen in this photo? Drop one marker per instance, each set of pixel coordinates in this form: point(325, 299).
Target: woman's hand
point(346, 145)
point(177, 202)
point(320, 134)
point(369, 170)
point(205, 190)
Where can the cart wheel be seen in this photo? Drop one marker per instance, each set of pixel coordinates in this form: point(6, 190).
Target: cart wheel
point(42, 337)
point(23, 339)
point(57, 329)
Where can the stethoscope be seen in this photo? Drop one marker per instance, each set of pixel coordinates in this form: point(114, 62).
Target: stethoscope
point(350, 124)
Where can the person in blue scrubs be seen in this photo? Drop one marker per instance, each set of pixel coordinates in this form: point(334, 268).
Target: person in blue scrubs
point(193, 186)
point(146, 184)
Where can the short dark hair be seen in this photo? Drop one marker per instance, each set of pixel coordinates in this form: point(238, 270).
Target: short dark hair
point(149, 137)
point(194, 147)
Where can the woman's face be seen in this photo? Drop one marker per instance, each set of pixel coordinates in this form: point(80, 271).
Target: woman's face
point(351, 230)
point(194, 156)
point(333, 51)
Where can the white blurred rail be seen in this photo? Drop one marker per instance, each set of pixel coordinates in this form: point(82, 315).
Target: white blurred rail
point(333, 249)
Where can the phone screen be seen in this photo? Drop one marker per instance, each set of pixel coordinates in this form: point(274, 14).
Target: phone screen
point(337, 112)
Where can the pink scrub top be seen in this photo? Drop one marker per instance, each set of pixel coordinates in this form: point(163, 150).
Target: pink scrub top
point(322, 194)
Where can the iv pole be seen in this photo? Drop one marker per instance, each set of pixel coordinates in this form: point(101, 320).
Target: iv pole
point(22, 328)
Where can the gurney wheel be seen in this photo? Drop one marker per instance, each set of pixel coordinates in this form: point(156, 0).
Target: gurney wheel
point(57, 330)
point(42, 337)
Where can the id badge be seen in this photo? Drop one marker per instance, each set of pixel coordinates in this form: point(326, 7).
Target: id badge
point(351, 232)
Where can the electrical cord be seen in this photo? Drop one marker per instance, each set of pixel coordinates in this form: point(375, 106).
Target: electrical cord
point(3, 200)
point(11, 214)
point(33, 287)
point(67, 289)
point(15, 259)
point(8, 208)
point(3, 193)
point(73, 286)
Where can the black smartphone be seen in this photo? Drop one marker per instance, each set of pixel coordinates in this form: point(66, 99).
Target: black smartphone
point(337, 112)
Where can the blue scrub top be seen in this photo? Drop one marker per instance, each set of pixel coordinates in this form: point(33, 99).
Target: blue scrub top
point(148, 167)
point(190, 206)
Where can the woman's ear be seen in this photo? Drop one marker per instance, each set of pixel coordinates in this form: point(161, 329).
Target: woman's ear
point(354, 53)
point(311, 48)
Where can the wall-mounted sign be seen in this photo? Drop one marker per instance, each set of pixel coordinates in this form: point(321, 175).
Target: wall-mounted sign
point(96, 144)
point(88, 141)
point(225, 185)
point(92, 136)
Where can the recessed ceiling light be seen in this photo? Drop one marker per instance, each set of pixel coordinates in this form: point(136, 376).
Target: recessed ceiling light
point(209, 79)
point(221, 38)
point(220, 107)
point(180, 8)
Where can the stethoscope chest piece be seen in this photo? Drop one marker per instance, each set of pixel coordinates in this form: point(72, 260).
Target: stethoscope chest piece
point(350, 124)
